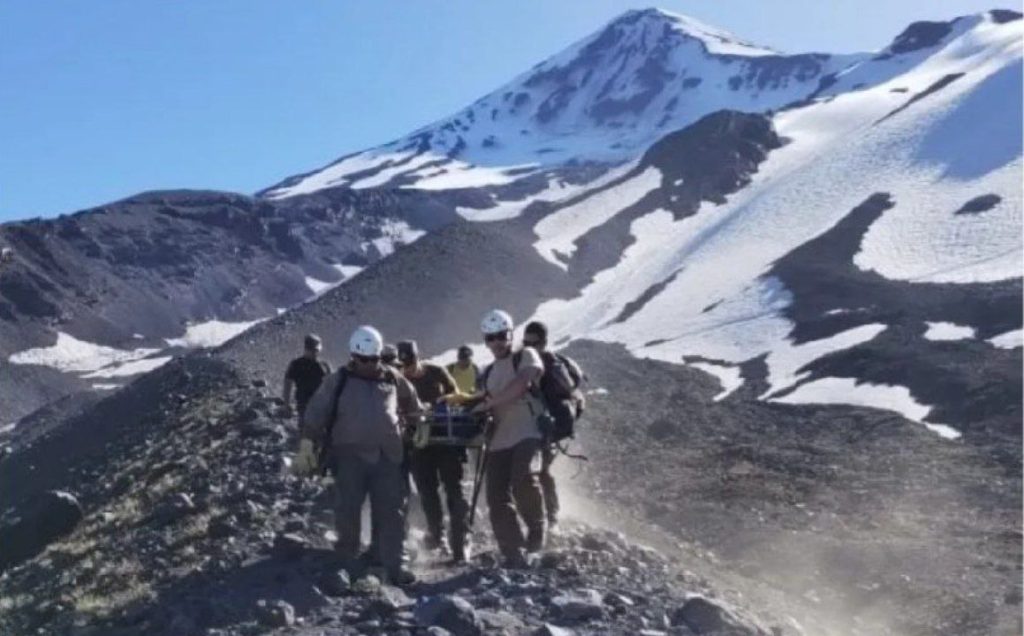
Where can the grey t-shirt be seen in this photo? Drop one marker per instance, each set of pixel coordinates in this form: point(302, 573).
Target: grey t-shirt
point(516, 421)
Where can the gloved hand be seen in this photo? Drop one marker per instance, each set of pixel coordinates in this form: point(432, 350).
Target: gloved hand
point(305, 462)
point(453, 399)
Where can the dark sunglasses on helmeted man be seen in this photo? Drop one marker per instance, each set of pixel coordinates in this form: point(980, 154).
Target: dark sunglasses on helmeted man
point(366, 359)
point(496, 337)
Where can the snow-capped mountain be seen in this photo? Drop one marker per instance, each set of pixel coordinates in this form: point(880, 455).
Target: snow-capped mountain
point(903, 166)
point(603, 99)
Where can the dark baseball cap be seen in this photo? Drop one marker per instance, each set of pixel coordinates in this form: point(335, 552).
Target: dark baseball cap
point(312, 341)
point(407, 350)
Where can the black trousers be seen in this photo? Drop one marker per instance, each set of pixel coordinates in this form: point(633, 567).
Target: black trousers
point(435, 467)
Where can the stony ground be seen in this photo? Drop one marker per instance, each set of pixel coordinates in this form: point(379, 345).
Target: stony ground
point(850, 520)
point(798, 519)
point(192, 525)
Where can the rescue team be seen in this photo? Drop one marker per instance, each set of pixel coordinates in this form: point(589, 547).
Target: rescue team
point(358, 423)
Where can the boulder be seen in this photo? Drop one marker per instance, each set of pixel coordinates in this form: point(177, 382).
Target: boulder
point(334, 583)
point(453, 613)
point(289, 546)
point(580, 605)
point(703, 616)
point(275, 613)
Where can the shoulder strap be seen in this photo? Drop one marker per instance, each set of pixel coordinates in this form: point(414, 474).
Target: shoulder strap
point(392, 375)
point(573, 367)
point(342, 379)
point(516, 359)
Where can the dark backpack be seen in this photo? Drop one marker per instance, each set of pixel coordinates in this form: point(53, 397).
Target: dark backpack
point(563, 399)
point(558, 390)
point(326, 457)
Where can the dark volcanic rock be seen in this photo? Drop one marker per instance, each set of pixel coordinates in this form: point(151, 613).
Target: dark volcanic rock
point(1002, 16)
point(704, 617)
point(579, 605)
point(334, 582)
point(289, 546)
point(172, 509)
point(154, 262)
point(920, 35)
point(275, 613)
point(453, 613)
point(977, 205)
point(974, 386)
point(49, 517)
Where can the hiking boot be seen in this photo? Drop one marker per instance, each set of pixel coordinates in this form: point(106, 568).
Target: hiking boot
point(535, 541)
point(460, 555)
point(401, 576)
point(515, 561)
point(369, 557)
point(432, 542)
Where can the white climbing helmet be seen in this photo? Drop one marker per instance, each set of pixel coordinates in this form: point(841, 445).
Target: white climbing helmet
point(366, 341)
point(496, 321)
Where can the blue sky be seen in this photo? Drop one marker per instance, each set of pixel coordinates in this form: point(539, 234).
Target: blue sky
point(100, 100)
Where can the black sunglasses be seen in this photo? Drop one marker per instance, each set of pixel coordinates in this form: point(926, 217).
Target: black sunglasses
point(496, 337)
point(366, 359)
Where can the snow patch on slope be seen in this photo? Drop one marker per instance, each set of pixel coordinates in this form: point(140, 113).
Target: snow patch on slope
point(128, 369)
point(556, 191)
point(558, 232)
point(348, 271)
point(387, 174)
point(74, 355)
point(212, 333)
point(840, 152)
point(729, 377)
point(318, 286)
point(455, 175)
point(884, 396)
point(716, 40)
point(948, 331)
point(1008, 340)
point(336, 174)
point(395, 234)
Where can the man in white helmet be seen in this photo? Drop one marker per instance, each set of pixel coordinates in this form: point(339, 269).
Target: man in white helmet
point(358, 410)
point(513, 490)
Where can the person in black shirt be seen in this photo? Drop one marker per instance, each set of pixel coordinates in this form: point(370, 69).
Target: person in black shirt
point(304, 376)
point(435, 466)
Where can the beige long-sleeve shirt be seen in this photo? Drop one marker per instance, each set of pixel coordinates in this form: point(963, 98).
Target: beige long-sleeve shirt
point(370, 411)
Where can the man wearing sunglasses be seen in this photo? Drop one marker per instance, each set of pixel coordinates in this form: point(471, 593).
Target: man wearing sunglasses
point(359, 411)
point(437, 466)
point(514, 447)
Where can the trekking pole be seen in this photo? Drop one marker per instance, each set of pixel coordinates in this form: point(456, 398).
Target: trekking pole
point(481, 466)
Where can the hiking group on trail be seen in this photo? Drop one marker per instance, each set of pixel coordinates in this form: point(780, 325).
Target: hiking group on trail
point(388, 418)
